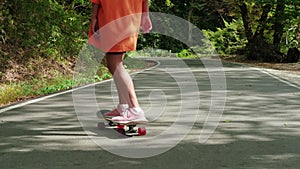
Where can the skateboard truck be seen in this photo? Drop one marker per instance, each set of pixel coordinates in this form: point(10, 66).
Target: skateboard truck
point(128, 129)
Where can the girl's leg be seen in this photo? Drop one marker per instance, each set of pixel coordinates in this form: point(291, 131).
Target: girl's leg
point(122, 79)
point(125, 89)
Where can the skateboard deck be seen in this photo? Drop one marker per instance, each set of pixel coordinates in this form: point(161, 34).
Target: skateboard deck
point(127, 128)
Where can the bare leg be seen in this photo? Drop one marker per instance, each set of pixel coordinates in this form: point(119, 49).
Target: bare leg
point(123, 81)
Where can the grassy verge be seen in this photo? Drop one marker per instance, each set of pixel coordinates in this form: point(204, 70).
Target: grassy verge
point(24, 90)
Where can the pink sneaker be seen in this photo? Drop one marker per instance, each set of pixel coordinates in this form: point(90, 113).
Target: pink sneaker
point(132, 115)
point(118, 111)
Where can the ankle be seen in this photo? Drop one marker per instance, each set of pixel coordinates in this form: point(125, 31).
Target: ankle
point(122, 107)
point(136, 110)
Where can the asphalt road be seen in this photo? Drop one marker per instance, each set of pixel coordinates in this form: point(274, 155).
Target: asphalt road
point(202, 115)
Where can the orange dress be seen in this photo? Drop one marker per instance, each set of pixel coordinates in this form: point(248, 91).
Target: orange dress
point(119, 22)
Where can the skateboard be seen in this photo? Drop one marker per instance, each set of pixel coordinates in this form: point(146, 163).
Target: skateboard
point(125, 128)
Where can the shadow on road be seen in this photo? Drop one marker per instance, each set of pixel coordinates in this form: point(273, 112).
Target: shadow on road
point(259, 128)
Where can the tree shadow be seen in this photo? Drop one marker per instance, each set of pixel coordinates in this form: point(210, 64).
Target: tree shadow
point(259, 127)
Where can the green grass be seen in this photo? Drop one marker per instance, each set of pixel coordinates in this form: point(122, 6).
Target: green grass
point(14, 92)
point(150, 52)
point(9, 93)
point(186, 53)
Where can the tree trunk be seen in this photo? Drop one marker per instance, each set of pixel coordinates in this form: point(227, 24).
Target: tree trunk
point(258, 48)
point(293, 55)
point(278, 24)
point(190, 38)
point(263, 21)
point(246, 21)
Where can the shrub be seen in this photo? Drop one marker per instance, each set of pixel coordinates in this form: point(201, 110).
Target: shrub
point(228, 40)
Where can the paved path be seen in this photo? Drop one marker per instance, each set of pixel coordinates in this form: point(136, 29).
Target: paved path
point(260, 126)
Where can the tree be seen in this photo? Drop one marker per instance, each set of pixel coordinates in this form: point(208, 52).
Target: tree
point(265, 22)
point(205, 14)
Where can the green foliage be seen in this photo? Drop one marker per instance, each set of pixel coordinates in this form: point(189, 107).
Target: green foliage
point(56, 29)
point(228, 40)
point(169, 3)
point(53, 86)
point(291, 36)
point(151, 52)
point(42, 27)
point(269, 22)
point(202, 13)
point(9, 93)
point(12, 92)
point(160, 42)
point(44, 86)
point(6, 22)
point(186, 53)
point(149, 40)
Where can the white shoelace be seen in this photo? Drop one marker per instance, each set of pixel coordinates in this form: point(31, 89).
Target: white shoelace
point(126, 114)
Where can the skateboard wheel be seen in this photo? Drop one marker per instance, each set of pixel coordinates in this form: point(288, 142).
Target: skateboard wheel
point(120, 126)
point(142, 131)
point(110, 123)
point(101, 125)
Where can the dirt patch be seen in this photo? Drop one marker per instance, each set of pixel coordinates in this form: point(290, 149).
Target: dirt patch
point(293, 68)
point(20, 70)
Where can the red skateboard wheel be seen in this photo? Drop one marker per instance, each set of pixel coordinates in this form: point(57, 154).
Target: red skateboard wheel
point(120, 126)
point(142, 131)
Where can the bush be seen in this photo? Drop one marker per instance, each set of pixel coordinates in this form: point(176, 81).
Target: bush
point(291, 37)
point(9, 93)
point(41, 27)
point(186, 53)
point(228, 40)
